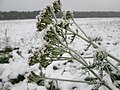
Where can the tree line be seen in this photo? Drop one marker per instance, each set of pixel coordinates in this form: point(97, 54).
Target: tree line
point(18, 15)
point(32, 14)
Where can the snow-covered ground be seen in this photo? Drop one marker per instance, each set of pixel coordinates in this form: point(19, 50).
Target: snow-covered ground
point(23, 34)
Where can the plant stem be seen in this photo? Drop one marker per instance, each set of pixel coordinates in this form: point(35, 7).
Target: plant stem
point(85, 64)
point(107, 86)
point(80, 29)
point(78, 35)
point(112, 65)
point(77, 81)
point(96, 45)
point(53, 14)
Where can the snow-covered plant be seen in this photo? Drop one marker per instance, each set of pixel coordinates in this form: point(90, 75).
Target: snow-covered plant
point(5, 53)
point(58, 37)
point(5, 57)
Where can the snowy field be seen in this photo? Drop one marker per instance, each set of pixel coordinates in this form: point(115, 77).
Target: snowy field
point(23, 34)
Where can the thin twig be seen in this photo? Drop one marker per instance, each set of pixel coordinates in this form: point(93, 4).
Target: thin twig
point(77, 81)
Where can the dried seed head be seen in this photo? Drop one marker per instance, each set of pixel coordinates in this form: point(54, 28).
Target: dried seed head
point(100, 54)
point(48, 9)
point(61, 24)
point(69, 15)
point(57, 6)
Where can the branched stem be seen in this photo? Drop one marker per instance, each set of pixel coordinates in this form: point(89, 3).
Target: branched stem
point(83, 62)
point(94, 44)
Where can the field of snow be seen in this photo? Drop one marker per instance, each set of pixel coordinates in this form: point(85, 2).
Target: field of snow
point(23, 34)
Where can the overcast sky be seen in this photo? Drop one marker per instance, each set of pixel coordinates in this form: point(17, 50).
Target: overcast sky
point(77, 5)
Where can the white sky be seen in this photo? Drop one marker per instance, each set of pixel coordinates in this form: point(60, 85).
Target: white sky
point(77, 5)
